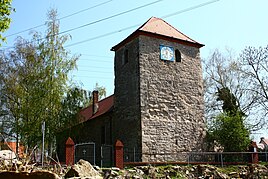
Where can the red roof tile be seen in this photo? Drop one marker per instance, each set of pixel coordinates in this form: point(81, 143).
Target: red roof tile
point(161, 27)
point(105, 106)
point(157, 26)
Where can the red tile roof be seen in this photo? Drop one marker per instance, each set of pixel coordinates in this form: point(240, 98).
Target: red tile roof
point(159, 27)
point(105, 106)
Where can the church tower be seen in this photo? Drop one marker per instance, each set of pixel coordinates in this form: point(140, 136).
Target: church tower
point(159, 105)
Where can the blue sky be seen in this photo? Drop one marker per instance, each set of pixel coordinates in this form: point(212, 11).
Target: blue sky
point(220, 24)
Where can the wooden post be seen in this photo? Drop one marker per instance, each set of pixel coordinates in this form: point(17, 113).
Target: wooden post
point(69, 151)
point(119, 154)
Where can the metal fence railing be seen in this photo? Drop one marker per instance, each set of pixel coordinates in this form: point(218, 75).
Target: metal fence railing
point(85, 151)
point(216, 158)
point(107, 155)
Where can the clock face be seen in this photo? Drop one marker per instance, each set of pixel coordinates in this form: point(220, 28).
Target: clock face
point(166, 53)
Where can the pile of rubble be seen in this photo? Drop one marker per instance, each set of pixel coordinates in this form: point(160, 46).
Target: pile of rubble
point(187, 172)
point(14, 169)
point(84, 170)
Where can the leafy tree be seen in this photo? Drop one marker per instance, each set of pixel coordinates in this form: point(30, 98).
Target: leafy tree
point(36, 80)
point(227, 102)
point(75, 99)
point(36, 86)
point(230, 132)
point(5, 11)
point(223, 71)
point(228, 128)
point(229, 105)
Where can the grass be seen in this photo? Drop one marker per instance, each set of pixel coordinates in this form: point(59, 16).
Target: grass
point(228, 169)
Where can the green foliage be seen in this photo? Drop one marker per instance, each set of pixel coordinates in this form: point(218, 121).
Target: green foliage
point(228, 128)
point(228, 169)
point(101, 91)
point(168, 170)
point(75, 99)
point(36, 82)
point(237, 82)
point(35, 86)
point(5, 11)
point(230, 132)
point(236, 90)
point(229, 100)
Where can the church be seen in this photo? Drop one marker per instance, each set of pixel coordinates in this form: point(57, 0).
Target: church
point(157, 109)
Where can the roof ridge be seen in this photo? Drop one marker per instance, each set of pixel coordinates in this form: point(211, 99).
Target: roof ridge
point(144, 23)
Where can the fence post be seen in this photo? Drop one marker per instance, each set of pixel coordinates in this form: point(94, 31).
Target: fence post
point(69, 151)
point(188, 158)
point(119, 154)
point(221, 160)
point(134, 155)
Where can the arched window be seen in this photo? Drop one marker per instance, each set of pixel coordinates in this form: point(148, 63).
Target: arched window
point(125, 57)
point(177, 55)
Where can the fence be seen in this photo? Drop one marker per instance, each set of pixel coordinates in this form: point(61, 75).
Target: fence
point(107, 155)
point(85, 151)
point(119, 156)
point(131, 155)
point(215, 158)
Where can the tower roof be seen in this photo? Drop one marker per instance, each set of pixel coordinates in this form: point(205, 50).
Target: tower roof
point(161, 29)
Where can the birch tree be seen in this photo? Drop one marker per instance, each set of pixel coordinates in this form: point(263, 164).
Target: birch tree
point(36, 81)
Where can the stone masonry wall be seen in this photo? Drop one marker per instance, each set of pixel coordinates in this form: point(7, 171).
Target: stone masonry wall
point(171, 101)
point(126, 120)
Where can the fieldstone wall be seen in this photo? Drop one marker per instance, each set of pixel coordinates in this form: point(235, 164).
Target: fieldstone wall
point(171, 101)
point(126, 120)
point(159, 106)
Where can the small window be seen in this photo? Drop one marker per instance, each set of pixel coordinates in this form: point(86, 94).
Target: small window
point(178, 55)
point(125, 57)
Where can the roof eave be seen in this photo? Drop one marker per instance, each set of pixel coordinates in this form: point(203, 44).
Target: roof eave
point(150, 34)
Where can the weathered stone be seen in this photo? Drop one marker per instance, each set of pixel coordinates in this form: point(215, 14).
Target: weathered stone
point(115, 169)
point(233, 173)
point(220, 175)
point(151, 93)
point(97, 168)
point(7, 155)
point(139, 172)
point(200, 171)
point(82, 169)
point(114, 173)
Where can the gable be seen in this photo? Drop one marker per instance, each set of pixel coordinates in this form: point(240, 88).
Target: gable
point(160, 29)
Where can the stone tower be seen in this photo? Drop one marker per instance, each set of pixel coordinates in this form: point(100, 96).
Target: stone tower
point(158, 93)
